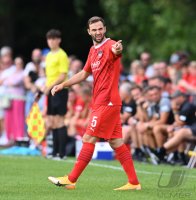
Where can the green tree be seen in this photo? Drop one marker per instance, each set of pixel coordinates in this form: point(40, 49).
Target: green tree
point(158, 26)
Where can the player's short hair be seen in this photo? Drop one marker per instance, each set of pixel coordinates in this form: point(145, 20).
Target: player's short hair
point(53, 33)
point(94, 20)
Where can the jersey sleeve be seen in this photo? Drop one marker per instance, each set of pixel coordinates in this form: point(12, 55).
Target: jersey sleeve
point(185, 112)
point(63, 63)
point(87, 66)
point(165, 105)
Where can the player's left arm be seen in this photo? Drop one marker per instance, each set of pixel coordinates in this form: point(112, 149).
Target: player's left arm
point(117, 47)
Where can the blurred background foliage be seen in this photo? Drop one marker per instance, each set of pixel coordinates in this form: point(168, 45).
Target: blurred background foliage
point(158, 26)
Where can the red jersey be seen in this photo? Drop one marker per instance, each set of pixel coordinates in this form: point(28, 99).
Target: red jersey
point(105, 68)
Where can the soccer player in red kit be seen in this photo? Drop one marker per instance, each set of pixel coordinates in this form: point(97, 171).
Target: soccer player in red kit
point(104, 64)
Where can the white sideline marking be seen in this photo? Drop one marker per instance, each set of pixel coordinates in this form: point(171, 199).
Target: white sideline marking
point(120, 169)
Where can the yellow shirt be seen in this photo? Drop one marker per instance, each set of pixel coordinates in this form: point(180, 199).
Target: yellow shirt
point(56, 64)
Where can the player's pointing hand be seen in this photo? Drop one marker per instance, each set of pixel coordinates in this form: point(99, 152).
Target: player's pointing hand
point(117, 47)
point(56, 89)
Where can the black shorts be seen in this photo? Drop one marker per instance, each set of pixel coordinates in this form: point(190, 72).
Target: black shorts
point(193, 128)
point(57, 105)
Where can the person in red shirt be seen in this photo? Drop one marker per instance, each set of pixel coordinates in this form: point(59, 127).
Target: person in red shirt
point(188, 83)
point(103, 63)
point(80, 118)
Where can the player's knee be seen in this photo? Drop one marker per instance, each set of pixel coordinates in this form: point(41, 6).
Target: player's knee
point(89, 139)
point(115, 143)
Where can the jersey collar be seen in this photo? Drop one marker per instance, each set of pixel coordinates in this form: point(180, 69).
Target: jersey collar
point(99, 45)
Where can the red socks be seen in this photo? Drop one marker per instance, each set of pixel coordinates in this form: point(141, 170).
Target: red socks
point(86, 153)
point(84, 158)
point(124, 156)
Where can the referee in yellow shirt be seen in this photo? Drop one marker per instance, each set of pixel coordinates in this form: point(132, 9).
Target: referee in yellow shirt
point(57, 64)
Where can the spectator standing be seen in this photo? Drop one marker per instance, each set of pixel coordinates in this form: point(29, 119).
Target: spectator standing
point(75, 66)
point(7, 68)
point(31, 73)
point(145, 59)
point(14, 114)
point(188, 83)
point(137, 72)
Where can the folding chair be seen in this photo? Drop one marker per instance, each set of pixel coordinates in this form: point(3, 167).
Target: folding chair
point(192, 161)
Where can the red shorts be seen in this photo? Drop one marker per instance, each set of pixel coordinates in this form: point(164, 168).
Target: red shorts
point(105, 122)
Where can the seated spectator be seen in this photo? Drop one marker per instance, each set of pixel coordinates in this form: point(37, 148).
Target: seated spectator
point(132, 70)
point(137, 140)
point(177, 60)
point(79, 120)
point(71, 106)
point(160, 69)
point(163, 83)
point(188, 83)
point(145, 58)
point(157, 112)
point(137, 73)
point(184, 127)
point(128, 110)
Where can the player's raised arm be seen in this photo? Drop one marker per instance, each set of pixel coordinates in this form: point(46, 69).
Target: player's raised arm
point(117, 47)
point(77, 78)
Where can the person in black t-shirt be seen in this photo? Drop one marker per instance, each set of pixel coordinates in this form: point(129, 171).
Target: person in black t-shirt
point(184, 127)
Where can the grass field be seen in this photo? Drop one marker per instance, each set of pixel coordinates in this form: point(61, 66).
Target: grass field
point(25, 178)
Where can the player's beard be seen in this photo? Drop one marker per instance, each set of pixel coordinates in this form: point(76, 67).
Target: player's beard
point(98, 40)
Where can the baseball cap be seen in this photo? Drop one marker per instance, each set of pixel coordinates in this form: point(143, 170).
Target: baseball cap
point(178, 57)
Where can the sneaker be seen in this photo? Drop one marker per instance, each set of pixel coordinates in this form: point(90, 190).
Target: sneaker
point(49, 156)
point(57, 158)
point(62, 181)
point(63, 158)
point(152, 157)
point(129, 186)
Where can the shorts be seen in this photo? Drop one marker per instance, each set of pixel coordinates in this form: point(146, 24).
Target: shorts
point(57, 105)
point(193, 129)
point(105, 122)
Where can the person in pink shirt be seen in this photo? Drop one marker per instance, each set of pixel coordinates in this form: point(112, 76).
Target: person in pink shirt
point(14, 114)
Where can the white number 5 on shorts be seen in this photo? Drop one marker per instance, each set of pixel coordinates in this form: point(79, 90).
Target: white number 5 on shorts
point(94, 121)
